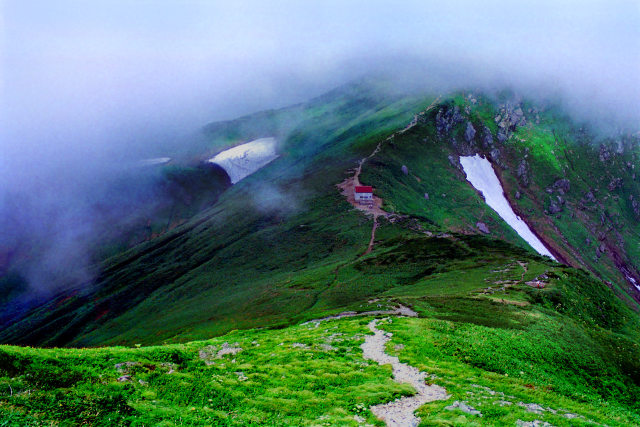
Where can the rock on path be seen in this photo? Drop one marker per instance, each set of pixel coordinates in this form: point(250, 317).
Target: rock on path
point(399, 413)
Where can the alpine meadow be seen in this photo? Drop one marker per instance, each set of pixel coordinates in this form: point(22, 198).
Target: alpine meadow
point(320, 213)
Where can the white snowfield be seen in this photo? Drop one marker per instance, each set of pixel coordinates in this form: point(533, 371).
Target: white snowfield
point(155, 161)
point(482, 176)
point(243, 160)
point(633, 281)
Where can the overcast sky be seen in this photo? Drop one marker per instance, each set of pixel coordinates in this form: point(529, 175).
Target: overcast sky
point(85, 85)
point(80, 79)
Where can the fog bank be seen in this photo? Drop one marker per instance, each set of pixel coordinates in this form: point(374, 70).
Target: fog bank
point(88, 89)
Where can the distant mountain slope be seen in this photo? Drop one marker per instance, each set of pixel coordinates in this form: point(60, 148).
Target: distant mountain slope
point(580, 194)
point(512, 337)
point(283, 245)
point(225, 252)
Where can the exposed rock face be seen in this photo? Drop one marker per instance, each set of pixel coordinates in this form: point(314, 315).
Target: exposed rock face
point(497, 159)
point(555, 207)
point(455, 161)
point(482, 227)
point(636, 207)
point(615, 184)
point(470, 132)
point(508, 119)
point(589, 197)
point(447, 118)
point(562, 186)
point(523, 173)
point(502, 136)
point(463, 148)
point(600, 250)
point(605, 153)
point(405, 170)
point(487, 138)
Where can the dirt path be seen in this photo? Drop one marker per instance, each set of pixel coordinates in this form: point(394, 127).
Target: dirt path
point(375, 209)
point(373, 236)
point(401, 310)
point(399, 413)
point(524, 268)
point(348, 185)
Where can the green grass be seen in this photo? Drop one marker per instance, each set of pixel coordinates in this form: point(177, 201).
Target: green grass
point(483, 351)
point(550, 363)
point(283, 246)
point(293, 376)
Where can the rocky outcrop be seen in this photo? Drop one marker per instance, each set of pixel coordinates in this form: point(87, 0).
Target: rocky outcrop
point(455, 161)
point(487, 138)
point(483, 227)
point(555, 207)
point(469, 133)
point(405, 169)
point(523, 173)
point(605, 153)
point(615, 184)
point(496, 158)
point(447, 118)
point(635, 206)
point(562, 186)
point(589, 197)
point(508, 119)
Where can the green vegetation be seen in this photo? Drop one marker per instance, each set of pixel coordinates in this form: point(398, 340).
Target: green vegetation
point(248, 266)
point(294, 376)
point(486, 349)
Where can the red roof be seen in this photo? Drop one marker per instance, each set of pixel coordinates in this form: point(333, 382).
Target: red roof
point(364, 189)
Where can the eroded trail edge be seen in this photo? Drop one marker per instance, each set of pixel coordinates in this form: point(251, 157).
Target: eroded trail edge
point(399, 413)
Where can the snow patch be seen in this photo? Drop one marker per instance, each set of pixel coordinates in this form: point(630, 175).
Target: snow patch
point(155, 161)
point(243, 160)
point(482, 176)
point(633, 281)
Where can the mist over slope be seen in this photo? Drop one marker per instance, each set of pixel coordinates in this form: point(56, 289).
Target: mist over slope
point(87, 88)
point(496, 322)
point(141, 283)
point(288, 219)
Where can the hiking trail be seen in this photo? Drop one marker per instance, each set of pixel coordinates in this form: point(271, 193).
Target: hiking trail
point(399, 413)
point(348, 185)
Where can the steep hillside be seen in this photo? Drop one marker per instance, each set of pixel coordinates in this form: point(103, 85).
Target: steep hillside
point(503, 354)
point(248, 244)
point(142, 203)
point(510, 335)
point(579, 193)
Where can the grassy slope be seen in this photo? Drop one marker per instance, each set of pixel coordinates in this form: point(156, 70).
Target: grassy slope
point(482, 348)
point(231, 266)
point(554, 149)
point(246, 263)
point(270, 248)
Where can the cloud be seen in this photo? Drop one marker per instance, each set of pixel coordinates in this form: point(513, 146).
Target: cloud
point(87, 87)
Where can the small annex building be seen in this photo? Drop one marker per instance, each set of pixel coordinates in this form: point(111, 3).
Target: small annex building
point(363, 194)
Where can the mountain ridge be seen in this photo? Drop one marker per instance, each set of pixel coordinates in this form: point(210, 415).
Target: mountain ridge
point(284, 246)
